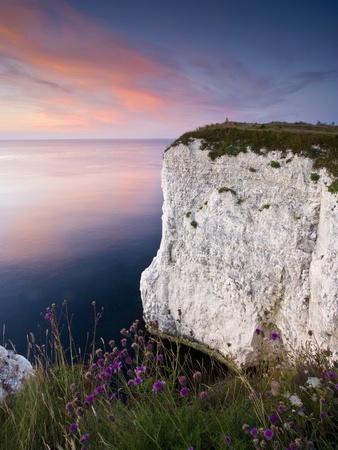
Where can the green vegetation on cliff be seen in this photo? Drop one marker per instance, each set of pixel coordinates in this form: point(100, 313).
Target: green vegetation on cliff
point(318, 142)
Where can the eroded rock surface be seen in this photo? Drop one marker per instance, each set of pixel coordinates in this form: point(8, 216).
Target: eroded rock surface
point(13, 370)
point(244, 245)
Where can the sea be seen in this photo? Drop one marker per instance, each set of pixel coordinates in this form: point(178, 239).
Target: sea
point(79, 222)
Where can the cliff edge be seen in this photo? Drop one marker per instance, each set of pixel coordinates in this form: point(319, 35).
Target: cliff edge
point(249, 240)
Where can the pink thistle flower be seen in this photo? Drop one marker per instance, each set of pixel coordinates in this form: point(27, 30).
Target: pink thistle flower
point(182, 380)
point(197, 376)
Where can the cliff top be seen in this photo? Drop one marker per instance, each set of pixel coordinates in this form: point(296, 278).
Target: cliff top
point(318, 142)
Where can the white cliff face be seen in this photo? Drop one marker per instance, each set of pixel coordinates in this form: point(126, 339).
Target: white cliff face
point(263, 254)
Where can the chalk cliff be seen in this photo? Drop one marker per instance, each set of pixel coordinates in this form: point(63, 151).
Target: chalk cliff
point(248, 241)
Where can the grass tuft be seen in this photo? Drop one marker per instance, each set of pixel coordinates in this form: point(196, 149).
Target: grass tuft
point(144, 392)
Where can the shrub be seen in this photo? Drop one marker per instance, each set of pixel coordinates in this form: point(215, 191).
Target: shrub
point(333, 188)
point(188, 214)
point(252, 169)
point(193, 224)
point(314, 176)
point(275, 164)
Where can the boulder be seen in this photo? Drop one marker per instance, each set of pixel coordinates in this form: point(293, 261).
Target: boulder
point(13, 370)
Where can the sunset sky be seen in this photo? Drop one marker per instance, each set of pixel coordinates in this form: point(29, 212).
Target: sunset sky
point(149, 69)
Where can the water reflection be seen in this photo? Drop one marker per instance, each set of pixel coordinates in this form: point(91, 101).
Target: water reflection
point(79, 220)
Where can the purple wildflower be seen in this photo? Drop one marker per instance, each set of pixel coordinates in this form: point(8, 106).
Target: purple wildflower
point(123, 331)
point(274, 418)
point(100, 389)
point(138, 380)
point(184, 392)
point(160, 357)
point(245, 428)
point(149, 347)
point(158, 385)
point(191, 448)
point(131, 382)
point(124, 342)
point(253, 431)
point(274, 336)
point(90, 398)
point(322, 416)
point(112, 397)
point(203, 394)
point(117, 366)
point(111, 418)
point(112, 343)
point(282, 407)
point(258, 331)
point(268, 434)
point(140, 369)
point(336, 386)
point(100, 362)
point(84, 438)
point(227, 440)
point(72, 428)
point(105, 375)
point(48, 316)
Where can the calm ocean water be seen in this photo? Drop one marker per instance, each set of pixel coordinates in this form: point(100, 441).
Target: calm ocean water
point(80, 220)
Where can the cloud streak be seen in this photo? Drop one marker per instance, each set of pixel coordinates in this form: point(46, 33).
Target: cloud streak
point(60, 71)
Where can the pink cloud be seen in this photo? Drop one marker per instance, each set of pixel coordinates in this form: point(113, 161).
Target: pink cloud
point(58, 69)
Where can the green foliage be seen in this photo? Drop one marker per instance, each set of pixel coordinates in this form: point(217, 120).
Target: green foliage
point(188, 214)
point(226, 189)
point(240, 201)
point(318, 142)
point(333, 188)
point(266, 206)
point(314, 176)
point(145, 392)
point(252, 169)
point(193, 224)
point(275, 164)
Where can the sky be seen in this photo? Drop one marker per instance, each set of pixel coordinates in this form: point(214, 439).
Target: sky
point(156, 69)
